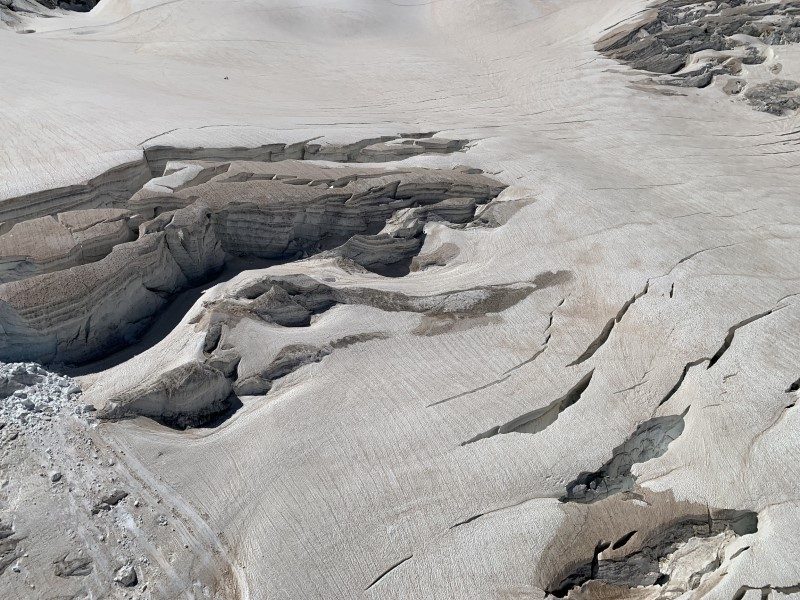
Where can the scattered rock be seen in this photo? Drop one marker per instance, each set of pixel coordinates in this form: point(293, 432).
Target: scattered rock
point(126, 576)
point(775, 97)
point(733, 87)
point(30, 395)
point(79, 566)
point(109, 501)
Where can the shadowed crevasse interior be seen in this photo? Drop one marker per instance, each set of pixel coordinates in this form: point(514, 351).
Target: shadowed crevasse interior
point(661, 559)
point(201, 392)
point(180, 229)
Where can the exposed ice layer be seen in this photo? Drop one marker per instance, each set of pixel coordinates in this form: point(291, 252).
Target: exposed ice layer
point(650, 440)
point(190, 222)
point(674, 559)
point(691, 42)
